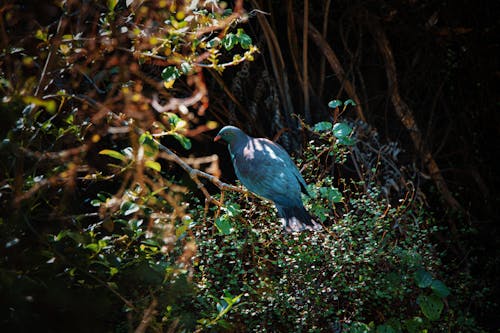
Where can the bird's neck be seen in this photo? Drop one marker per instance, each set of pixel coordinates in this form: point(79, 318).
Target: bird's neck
point(237, 145)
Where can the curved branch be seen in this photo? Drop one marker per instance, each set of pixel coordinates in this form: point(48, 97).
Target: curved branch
point(334, 62)
point(406, 117)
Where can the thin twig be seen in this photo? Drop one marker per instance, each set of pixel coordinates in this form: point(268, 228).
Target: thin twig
point(337, 68)
point(149, 314)
point(406, 117)
point(305, 75)
point(322, 60)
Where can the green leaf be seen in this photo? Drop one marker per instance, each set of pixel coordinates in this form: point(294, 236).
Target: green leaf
point(341, 130)
point(170, 73)
point(244, 40)
point(385, 329)
point(431, 306)
point(96, 202)
point(358, 327)
point(423, 279)
point(153, 165)
point(113, 154)
point(439, 288)
point(334, 104)
point(186, 67)
point(413, 325)
point(322, 126)
point(185, 142)
point(349, 102)
point(129, 207)
point(173, 119)
point(213, 42)
point(112, 4)
point(49, 105)
point(149, 144)
point(229, 41)
point(113, 271)
point(94, 247)
point(331, 193)
point(346, 141)
point(223, 225)
point(232, 209)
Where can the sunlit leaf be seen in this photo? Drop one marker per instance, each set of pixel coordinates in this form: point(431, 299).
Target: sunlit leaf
point(170, 73)
point(112, 4)
point(41, 35)
point(149, 144)
point(185, 142)
point(335, 103)
point(186, 67)
point(113, 271)
point(322, 126)
point(49, 105)
point(232, 209)
point(129, 207)
point(350, 102)
point(346, 141)
point(341, 130)
point(223, 225)
point(64, 48)
point(229, 41)
point(212, 124)
point(153, 165)
point(113, 154)
point(331, 193)
point(244, 40)
point(213, 42)
point(173, 119)
point(168, 84)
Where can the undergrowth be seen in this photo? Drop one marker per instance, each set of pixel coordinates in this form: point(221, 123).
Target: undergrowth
point(374, 268)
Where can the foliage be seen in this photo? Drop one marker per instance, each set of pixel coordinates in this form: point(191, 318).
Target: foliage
point(373, 270)
point(95, 103)
point(102, 231)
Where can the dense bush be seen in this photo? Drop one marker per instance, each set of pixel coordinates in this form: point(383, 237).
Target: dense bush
point(374, 268)
point(105, 228)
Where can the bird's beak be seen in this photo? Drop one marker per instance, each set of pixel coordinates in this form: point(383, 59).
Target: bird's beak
point(217, 138)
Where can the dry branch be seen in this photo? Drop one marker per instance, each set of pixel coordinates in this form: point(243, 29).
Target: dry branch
point(406, 117)
point(334, 62)
point(277, 61)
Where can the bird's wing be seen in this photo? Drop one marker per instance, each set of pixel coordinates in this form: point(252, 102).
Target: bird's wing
point(266, 169)
point(280, 151)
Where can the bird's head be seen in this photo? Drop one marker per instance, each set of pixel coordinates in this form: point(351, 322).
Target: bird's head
point(230, 134)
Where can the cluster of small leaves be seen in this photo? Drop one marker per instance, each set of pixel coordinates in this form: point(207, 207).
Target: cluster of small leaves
point(371, 270)
point(359, 268)
point(89, 196)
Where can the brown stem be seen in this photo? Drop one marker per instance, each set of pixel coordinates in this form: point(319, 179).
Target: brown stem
point(278, 64)
point(148, 315)
point(322, 60)
point(337, 68)
point(305, 75)
point(406, 117)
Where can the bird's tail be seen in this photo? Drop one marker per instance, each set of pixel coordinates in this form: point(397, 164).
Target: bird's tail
point(296, 219)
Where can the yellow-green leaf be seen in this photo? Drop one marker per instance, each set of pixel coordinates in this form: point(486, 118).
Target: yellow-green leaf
point(153, 165)
point(113, 154)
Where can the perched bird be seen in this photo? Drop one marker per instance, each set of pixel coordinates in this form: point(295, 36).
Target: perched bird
point(266, 169)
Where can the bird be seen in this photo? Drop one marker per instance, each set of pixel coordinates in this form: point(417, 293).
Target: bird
point(266, 169)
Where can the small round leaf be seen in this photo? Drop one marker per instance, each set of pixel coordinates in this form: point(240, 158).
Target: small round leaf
point(423, 279)
point(335, 103)
point(439, 288)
